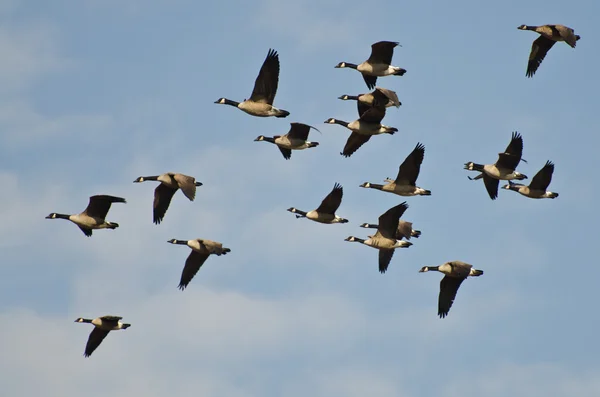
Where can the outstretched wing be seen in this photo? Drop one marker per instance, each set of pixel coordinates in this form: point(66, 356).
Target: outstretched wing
point(265, 85)
point(539, 49)
point(331, 203)
point(542, 179)
point(408, 172)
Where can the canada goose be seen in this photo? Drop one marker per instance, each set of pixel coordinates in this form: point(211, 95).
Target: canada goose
point(295, 139)
point(455, 273)
point(170, 182)
point(539, 184)
point(367, 125)
point(381, 97)
point(260, 103)
point(408, 172)
point(93, 216)
point(405, 229)
point(201, 250)
point(385, 239)
point(503, 169)
point(102, 326)
point(549, 34)
point(326, 211)
point(378, 64)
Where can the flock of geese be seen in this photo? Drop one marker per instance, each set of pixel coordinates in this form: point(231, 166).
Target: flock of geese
point(392, 232)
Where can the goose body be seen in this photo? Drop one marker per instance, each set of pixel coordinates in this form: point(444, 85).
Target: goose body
point(260, 103)
point(367, 125)
point(170, 182)
point(325, 213)
point(102, 326)
point(503, 169)
point(549, 34)
point(201, 250)
point(93, 217)
point(385, 239)
point(405, 229)
point(295, 139)
point(378, 64)
point(455, 273)
point(408, 172)
point(380, 97)
point(537, 187)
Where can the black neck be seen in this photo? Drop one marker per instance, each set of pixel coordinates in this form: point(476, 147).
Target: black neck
point(150, 178)
point(348, 97)
point(433, 268)
point(230, 102)
point(86, 320)
point(477, 167)
point(350, 65)
point(180, 242)
point(340, 122)
point(371, 226)
point(269, 139)
point(359, 240)
point(61, 216)
point(375, 186)
point(301, 213)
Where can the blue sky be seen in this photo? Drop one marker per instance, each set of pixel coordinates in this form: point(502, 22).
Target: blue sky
point(96, 93)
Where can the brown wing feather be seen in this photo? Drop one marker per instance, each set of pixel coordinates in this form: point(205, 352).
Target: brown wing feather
point(332, 202)
point(491, 185)
point(162, 199)
point(542, 179)
point(408, 172)
point(385, 257)
point(388, 221)
point(382, 52)
point(99, 205)
point(354, 142)
point(265, 85)
point(448, 289)
point(539, 49)
point(192, 264)
point(96, 337)
point(187, 184)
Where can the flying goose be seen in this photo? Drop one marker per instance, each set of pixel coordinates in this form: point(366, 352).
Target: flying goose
point(503, 169)
point(455, 273)
point(93, 216)
point(380, 97)
point(170, 182)
point(102, 326)
point(367, 125)
point(408, 172)
point(201, 250)
point(539, 184)
point(260, 103)
point(295, 139)
point(326, 211)
point(549, 34)
point(405, 229)
point(385, 239)
point(378, 64)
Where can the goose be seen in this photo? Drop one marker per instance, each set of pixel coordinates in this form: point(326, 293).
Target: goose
point(260, 103)
point(295, 139)
point(378, 64)
point(93, 216)
point(201, 250)
point(325, 213)
point(367, 125)
point(170, 182)
point(380, 97)
point(539, 184)
point(549, 34)
point(408, 172)
point(385, 239)
point(455, 273)
point(405, 229)
point(102, 326)
point(503, 169)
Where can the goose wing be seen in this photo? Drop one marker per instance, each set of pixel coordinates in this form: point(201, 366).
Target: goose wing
point(265, 85)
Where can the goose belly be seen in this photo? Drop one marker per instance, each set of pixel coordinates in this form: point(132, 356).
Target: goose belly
point(364, 128)
point(375, 70)
point(318, 217)
point(256, 108)
point(87, 221)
